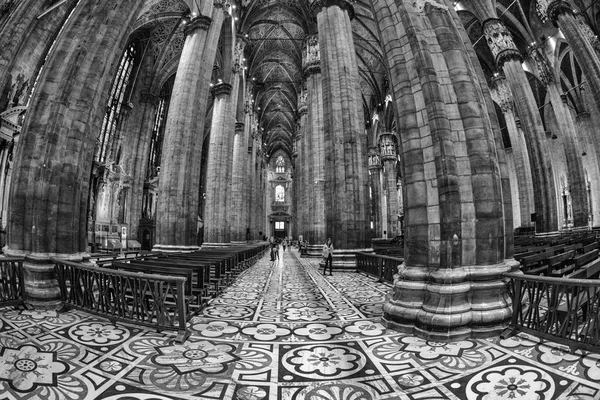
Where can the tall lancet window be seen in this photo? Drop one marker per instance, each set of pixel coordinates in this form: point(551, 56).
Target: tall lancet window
point(158, 129)
point(280, 165)
point(119, 94)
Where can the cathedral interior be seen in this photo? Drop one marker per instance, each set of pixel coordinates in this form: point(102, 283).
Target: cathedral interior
point(156, 155)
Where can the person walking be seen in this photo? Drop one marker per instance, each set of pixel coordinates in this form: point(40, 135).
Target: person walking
point(273, 247)
point(284, 244)
point(328, 256)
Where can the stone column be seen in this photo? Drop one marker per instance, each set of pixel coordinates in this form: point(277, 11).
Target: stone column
point(560, 13)
point(236, 208)
point(508, 58)
point(218, 175)
point(374, 163)
point(178, 197)
point(346, 177)
point(294, 212)
point(141, 124)
point(524, 185)
point(304, 166)
point(567, 135)
point(50, 182)
point(389, 157)
point(239, 202)
point(591, 163)
point(451, 284)
point(316, 147)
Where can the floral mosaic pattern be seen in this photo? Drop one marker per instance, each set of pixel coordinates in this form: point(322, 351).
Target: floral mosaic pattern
point(27, 367)
point(280, 331)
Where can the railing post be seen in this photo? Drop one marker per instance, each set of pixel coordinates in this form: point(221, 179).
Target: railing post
point(381, 270)
point(183, 333)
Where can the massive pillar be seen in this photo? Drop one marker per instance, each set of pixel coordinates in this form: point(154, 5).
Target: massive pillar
point(508, 58)
point(560, 13)
point(389, 158)
point(303, 166)
point(178, 196)
point(50, 184)
point(346, 177)
point(568, 138)
point(316, 146)
point(524, 184)
point(218, 175)
point(239, 201)
point(451, 284)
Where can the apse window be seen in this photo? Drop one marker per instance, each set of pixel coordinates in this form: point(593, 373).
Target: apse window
point(280, 165)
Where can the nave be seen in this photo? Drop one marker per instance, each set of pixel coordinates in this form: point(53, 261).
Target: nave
point(281, 331)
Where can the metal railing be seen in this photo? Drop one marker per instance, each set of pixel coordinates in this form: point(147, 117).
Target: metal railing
point(381, 267)
point(563, 310)
point(12, 281)
point(156, 301)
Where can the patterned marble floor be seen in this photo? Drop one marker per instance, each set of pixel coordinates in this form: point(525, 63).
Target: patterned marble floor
point(282, 331)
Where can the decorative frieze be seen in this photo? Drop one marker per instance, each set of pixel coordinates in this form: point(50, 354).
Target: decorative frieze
point(500, 41)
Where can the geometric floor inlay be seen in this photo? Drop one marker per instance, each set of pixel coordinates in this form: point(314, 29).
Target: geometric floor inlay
point(281, 331)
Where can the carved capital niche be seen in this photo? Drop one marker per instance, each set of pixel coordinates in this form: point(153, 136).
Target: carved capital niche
point(374, 159)
point(420, 5)
point(544, 71)
point(311, 56)
point(387, 146)
point(502, 95)
point(500, 41)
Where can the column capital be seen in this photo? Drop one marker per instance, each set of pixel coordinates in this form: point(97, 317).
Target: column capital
point(149, 98)
point(544, 71)
point(221, 89)
point(500, 41)
point(387, 146)
point(199, 22)
point(311, 56)
point(374, 160)
point(319, 5)
point(501, 93)
point(221, 4)
point(552, 9)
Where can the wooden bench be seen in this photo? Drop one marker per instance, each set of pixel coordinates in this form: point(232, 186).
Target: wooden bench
point(561, 264)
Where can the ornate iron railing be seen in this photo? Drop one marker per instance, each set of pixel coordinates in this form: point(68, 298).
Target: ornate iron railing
point(563, 310)
point(381, 267)
point(12, 281)
point(156, 301)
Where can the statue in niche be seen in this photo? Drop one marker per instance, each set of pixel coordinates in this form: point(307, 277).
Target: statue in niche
point(19, 91)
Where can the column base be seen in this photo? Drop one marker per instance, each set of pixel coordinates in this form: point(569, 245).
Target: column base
point(448, 304)
point(42, 291)
point(168, 248)
point(345, 259)
point(238, 242)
